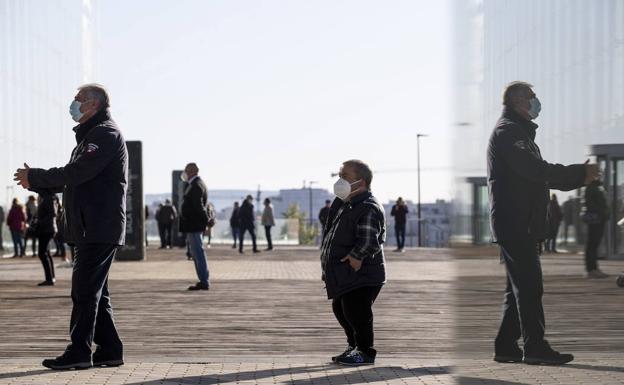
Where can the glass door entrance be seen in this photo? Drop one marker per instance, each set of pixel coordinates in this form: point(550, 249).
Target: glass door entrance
point(616, 199)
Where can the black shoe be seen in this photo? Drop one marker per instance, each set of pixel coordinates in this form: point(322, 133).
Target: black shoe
point(46, 283)
point(199, 286)
point(256, 251)
point(241, 252)
point(547, 356)
point(356, 358)
point(268, 249)
point(101, 358)
point(65, 362)
point(343, 354)
point(509, 354)
point(233, 246)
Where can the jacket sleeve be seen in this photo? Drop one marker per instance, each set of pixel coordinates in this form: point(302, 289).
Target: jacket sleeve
point(98, 153)
point(516, 152)
point(393, 211)
point(367, 233)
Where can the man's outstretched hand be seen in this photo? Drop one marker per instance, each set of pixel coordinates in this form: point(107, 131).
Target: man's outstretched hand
point(21, 176)
point(592, 172)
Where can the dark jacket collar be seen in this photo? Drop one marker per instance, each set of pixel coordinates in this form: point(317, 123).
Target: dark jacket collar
point(82, 129)
point(361, 197)
point(527, 125)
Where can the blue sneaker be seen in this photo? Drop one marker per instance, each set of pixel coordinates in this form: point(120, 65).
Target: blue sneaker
point(343, 354)
point(356, 358)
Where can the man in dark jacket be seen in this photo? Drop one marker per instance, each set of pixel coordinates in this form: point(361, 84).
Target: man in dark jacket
point(399, 212)
point(518, 181)
point(234, 224)
point(194, 220)
point(247, 222)
point(94, 184)
point(353, 261)
point(324, 214)
point(596, 214)
point(166, 217)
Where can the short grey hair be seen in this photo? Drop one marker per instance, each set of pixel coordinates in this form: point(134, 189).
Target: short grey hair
point(514, 89)
point(361, 170)
point(98, 92)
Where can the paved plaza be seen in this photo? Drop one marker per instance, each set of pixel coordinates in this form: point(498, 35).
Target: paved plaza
point(266, 320)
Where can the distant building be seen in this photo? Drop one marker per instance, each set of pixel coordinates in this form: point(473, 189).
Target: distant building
point(301, 197)
point(436, 224)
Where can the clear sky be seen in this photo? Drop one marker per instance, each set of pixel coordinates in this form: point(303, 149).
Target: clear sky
point(277, 92)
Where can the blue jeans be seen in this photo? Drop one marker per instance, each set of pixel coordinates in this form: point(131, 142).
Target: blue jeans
point(194, 241)
point(18, 242)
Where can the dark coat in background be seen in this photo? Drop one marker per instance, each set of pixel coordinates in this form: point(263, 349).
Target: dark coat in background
point(246, 217)
point(193, 212)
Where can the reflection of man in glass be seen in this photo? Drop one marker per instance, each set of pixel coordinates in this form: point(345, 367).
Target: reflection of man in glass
point(518, 181)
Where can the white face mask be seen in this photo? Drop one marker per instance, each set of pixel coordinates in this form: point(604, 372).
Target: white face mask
point(535, 108)
point(342, 188)
point(184, 176)
point(74, 111)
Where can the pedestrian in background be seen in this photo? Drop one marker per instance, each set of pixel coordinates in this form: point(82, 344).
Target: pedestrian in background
point(166, 217)
point(323, 214)
point(47, 211)
point(247, 222)
point(353, 262)
point(2, 219)
point(234, 224)
point(31, 214)
point(268, 221)
point(595, 215)
point(212, 221)
point(399, 212)
point(193, 222)
point(568, 217)
point(16, 221)
point(554, 221)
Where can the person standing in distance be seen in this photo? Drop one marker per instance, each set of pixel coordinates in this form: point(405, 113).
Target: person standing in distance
point(519, 181)
point(194, 220)
point(94, 185)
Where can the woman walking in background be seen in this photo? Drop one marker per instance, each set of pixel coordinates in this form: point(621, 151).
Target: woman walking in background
point(268, 221)
point(16, 220)
point(45, 228)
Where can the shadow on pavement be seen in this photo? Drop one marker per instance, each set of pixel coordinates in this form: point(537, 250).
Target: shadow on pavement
point(600, 368)
point(382, 373)
point(485, 381)
point(24, 374)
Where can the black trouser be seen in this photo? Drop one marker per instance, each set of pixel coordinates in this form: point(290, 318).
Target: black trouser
point(523, 313)
point(168, 233)
point(1, 239)
point(161, 234)
point(92, 314)
point(45, 257)
point(354, 312)
point(235, 234)
point(252, 232)
point(400, 235)
point(594, 236)
point(29, 235)
point(267, 232)
point(551, 243)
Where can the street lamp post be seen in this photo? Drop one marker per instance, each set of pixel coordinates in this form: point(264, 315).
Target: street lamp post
point(418, 136)
point(310, 183)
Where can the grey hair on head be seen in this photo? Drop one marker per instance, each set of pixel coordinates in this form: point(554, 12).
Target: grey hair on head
point(514, 89)
point(97, 92)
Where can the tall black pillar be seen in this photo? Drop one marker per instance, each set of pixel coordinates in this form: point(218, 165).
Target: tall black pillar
point(134, 249)
point(177, 192)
